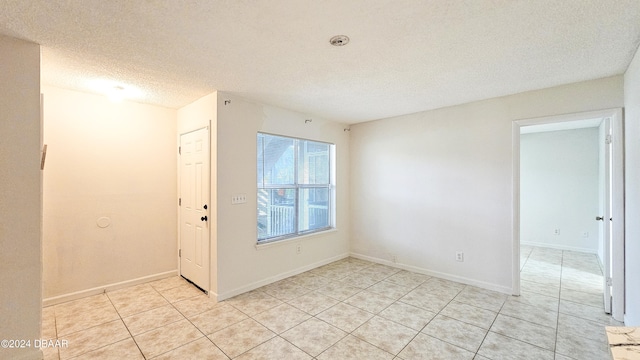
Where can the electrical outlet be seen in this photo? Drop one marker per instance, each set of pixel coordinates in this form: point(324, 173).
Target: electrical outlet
point(459, 256)
point(585, 234)
point(238, 199)
point(298, 248)
point(556, 232)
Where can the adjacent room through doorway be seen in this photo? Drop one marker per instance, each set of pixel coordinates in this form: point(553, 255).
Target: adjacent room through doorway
point(568, 180)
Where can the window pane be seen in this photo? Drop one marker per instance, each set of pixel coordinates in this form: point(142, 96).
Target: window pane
point(313, 208)
point(276, 212)
point(313, 163)
point(276, 160)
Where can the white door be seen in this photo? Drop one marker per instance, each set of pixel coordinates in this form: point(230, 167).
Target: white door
point(194, 207)
point(605, 210)
point(612, 215)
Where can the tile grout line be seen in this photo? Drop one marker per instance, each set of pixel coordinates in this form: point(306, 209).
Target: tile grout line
point(395, 355)
point(261, 324)
point(125, 325)
point(94, 326)
point(489, 330)
point(339, 302)
point(399, 300)
point(343, 302)
point(276, 334)
point(527, 321)
point(185, 318)
point(337, 280)
point(555, 343)
point(151, 309)
point(429, 322)
point(315, 317)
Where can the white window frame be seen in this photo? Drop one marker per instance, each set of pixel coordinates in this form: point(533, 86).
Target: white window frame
point(297, 187)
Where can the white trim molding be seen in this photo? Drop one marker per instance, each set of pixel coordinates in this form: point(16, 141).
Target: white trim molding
point(272, 279)
point(109, 287)
point(441, 275)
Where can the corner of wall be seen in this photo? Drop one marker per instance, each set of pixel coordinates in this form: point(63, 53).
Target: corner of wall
point(20, 196)
point(632, 192)
point(202, 113)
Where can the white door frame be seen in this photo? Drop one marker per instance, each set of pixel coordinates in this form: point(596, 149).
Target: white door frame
point(615, 115)
point(617, 164)
point(605, 171)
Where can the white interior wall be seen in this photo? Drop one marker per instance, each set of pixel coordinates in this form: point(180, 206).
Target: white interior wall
point(426, 185)
point(241, 265)
point(20, 258)
point(632, 192)
point(113, 160)
point(559, 189)
point(202, 113)
point(20, 196)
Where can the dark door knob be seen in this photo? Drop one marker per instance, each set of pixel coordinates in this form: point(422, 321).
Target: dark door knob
point(205, 206)
point(599, 218)
point(204, 218)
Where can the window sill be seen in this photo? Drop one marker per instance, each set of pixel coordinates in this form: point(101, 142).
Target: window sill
point(293, 239)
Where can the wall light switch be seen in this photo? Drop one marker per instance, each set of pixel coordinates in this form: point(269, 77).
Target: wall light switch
point(238, 199)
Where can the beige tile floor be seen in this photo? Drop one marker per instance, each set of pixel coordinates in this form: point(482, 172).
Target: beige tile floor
point(349, 309)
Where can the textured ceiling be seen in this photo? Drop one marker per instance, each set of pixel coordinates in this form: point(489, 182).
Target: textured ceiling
point(404, 56)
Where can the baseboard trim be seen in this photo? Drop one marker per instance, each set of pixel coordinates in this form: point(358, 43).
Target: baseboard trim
point(213, 295)
point(559, 247)
point(109, 287)
point(272, 279)
point(441, 275)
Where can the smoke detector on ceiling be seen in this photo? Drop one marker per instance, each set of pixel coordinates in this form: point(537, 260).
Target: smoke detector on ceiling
point(339, 40)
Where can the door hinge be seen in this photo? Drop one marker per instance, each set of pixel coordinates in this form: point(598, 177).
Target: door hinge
point(179, 252)
point(609, 281)
point(179, 201)
point(179, 150)
point(608, 139)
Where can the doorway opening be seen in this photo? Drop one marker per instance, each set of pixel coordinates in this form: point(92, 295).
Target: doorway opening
point(586, 241)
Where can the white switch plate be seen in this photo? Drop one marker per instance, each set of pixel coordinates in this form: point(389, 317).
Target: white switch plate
point(238, 199)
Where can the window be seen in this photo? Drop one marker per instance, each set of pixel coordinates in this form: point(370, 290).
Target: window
point(294, 187)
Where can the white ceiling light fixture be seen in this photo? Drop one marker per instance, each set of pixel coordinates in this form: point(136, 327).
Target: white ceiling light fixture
point(339, 40)
point(115, 91)
point(116, 94)
point(437, 56)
